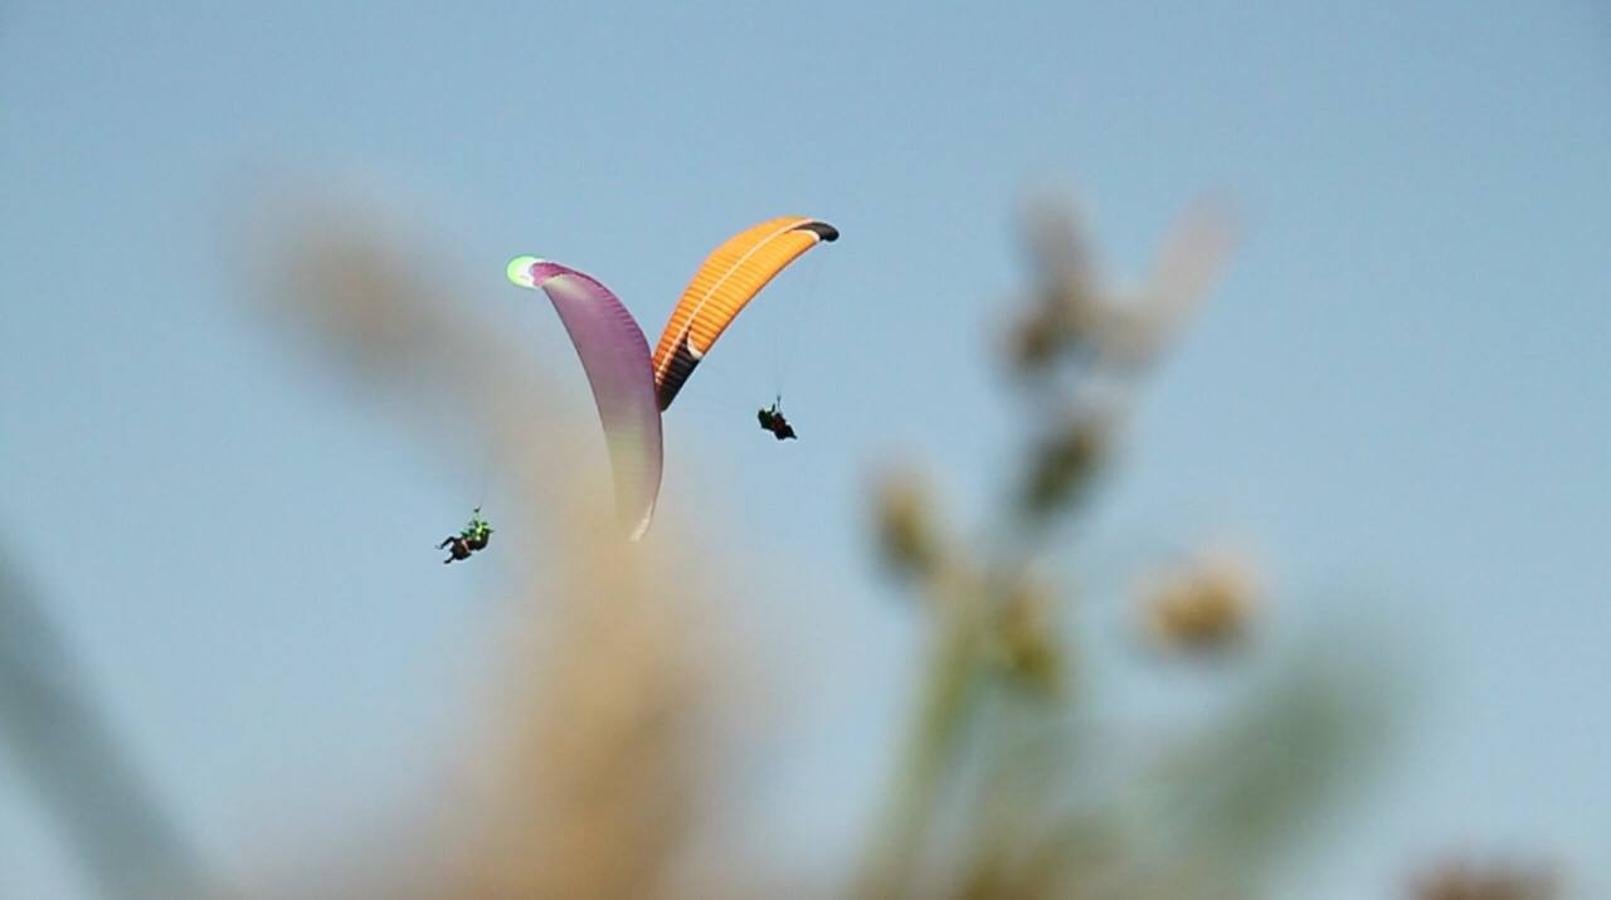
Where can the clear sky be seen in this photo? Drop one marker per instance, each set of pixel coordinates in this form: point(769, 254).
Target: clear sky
point(1400, 394)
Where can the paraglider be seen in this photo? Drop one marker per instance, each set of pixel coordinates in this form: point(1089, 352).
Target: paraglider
point(471, 538)
point(772, 420)
point(630, 387)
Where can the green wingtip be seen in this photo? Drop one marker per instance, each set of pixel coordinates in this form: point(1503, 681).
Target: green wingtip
point(519, 270)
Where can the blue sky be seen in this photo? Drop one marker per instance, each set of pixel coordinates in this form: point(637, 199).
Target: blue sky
point(1399, 394)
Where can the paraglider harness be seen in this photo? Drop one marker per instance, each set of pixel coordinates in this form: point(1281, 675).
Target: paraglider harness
point(772, 420)
point(471, 538)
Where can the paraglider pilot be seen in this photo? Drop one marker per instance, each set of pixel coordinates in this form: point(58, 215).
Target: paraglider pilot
point(772, 420)
point(473, 537)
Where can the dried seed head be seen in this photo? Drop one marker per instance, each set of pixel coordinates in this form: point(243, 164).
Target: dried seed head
point(1037, 340)
point(1064, 464)
point(1206, 605)
point(1054, 240)
point(908, 533)
point(1026, 636)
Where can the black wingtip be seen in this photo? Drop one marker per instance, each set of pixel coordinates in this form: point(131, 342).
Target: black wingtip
point(682, 365)
point(823, 230)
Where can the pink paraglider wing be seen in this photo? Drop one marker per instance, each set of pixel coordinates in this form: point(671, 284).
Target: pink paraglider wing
point(615, 355)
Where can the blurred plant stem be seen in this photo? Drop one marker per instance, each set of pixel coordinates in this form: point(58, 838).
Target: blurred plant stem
point(949, 690)
point(113, 822)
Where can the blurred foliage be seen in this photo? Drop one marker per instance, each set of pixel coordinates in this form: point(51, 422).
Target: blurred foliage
point(610, 746)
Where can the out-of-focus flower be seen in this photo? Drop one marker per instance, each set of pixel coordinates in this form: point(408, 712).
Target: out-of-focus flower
point(1464, 881)
point(1205, 605)
point(908, 531)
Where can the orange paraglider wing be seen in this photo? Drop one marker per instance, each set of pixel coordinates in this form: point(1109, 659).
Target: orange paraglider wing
point(724, 284)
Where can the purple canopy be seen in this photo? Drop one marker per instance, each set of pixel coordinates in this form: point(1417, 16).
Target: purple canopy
point(615, 355)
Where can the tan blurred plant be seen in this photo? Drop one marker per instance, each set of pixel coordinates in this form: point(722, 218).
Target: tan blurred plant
point(1205, 605)
point(589, 775)
point(908, 530)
